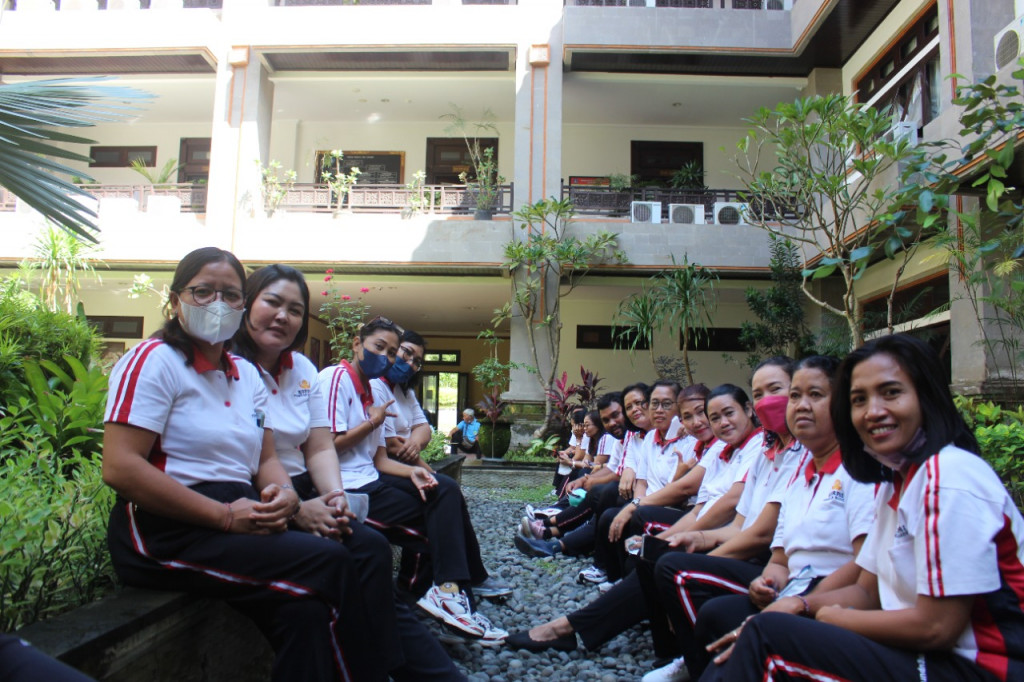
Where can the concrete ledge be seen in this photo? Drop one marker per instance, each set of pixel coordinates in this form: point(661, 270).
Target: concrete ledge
point(137, 634)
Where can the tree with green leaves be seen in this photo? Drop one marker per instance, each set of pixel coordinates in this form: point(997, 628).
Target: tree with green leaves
point(31, 116)
point(680, 299)
point(546, 264)
point(823, 171)
point(987, 248)
point(780, 328)
point(60, 258)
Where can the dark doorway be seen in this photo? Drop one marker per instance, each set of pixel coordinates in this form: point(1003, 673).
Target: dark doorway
point(194, 159)
point(656, 162)
point(448, 156)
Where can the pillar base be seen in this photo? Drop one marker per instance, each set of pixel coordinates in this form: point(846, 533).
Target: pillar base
point(527, 417)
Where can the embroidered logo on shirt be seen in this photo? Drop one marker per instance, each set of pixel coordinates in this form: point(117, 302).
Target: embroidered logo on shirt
point(303, 389)
point(901, 532)
point(837, 493)
point(259, 417)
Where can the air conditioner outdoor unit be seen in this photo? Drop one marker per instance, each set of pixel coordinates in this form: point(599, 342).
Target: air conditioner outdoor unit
point(1009, 43)
point(904, 130)
point(645, 211)
point(729, 212)
point(778, 4)
point(686, 214)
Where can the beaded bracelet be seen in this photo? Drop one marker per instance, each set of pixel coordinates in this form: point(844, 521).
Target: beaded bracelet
point(807, 607)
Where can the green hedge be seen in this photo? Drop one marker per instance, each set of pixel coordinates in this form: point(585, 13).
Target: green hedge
point(1000, 434)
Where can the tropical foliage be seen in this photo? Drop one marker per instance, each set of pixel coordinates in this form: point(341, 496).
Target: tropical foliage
point(32, 144)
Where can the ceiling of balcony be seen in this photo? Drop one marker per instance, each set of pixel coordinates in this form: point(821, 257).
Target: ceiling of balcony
point(599, 99)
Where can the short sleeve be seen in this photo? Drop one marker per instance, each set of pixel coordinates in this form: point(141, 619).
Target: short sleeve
point(954, 535)
point(381, 395)
point(860, 508)
point(143, 387)
point(333, 385)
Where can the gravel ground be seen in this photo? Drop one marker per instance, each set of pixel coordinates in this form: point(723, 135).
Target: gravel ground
point(543, 589)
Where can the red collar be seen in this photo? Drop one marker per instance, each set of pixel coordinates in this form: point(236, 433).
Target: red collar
point(664, 443)
point(830, 466)
point(726, 454)
point(283, 363)
point(200, 364)
point(698, 450)
point(899, 484)
point(362, 388)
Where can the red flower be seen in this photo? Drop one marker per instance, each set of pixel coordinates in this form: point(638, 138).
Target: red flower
point(330, 271)
point(364, 289)
point(327, 278)
point(346, 298)
point(323, 293)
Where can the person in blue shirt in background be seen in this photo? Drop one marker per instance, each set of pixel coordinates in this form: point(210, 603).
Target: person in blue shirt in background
point(463, 436)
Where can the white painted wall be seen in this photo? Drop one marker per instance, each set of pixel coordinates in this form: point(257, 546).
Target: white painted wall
point(604, 149)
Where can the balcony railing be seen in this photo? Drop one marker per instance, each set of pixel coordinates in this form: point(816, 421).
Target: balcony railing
point(191, 196)
point(219, 4)
point(448, 199)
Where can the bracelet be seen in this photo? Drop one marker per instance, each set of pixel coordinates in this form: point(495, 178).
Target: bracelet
point(703, 542)
point(336, 490)
point(370, 422)
point(807, 607)
point(288, 486)
point(229, 520)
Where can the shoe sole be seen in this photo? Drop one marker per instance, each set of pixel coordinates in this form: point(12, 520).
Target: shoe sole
point(501, 596)
point(524, 528)
point(584, 580)
point(449, 620)
point(529, 550)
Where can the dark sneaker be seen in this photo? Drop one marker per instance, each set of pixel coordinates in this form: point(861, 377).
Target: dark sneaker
point(537, 548)
point(492, 588)
point(522, 640)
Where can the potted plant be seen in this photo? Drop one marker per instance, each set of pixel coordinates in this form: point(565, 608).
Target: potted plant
point(493, 375)
point(485, 187)
point(340, 182)
point(274, 186)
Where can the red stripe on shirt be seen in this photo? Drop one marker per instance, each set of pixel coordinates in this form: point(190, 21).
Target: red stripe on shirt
point(129, 380)
point(157, 456)
point(332, 399)
point(990, 641)
point(931, 529)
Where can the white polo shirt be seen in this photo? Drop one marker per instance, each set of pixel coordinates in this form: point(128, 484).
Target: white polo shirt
point(297, 406)
point(347, 400)
point(632, 442)
point(209, 423)
point(950, 529)
point(611, 446)
point(408, 413)
point(771, 472)
point(726, 466)
point(659, 457)
point(822, 513)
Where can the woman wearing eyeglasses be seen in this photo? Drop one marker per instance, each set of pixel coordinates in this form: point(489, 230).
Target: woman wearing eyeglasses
point(203, 502)
point(407, 499)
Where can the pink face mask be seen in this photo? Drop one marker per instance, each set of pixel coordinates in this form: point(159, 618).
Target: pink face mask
point(771, 411)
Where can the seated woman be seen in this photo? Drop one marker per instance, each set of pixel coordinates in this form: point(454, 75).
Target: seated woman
point(405, 435)
point(203, 502)
point(822, 522)
point(406, 498)
point(939, 588)
point(275, 325)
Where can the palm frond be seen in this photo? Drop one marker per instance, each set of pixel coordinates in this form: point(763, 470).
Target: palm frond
point(31, 116)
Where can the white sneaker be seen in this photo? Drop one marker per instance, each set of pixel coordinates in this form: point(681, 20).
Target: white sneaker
point(673, 672)
point(451, 607)
point(591, 574)
point(531, 511)
point(606, 586)
point(492, 636)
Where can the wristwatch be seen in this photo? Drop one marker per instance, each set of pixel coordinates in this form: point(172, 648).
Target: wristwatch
point(635, 502)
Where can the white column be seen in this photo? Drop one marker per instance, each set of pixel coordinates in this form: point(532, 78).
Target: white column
point(242, 113)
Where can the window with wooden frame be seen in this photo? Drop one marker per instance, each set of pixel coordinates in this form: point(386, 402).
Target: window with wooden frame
point(717, 339)
point(121, 157)
point(117, 326)
point(447, 358)
point(608, 337)
point(908, 75)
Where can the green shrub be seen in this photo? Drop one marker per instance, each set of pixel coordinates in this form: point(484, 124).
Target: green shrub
point(435, 450)
point(1000, 434)
point(53, 503)
point(28, 331)
point(53, 521)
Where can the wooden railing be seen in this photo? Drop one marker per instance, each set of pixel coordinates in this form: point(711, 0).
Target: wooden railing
point(392, 199)
point(192, 196)
point(684, 4)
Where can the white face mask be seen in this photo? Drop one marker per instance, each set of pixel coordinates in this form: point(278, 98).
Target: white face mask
point(213, 323)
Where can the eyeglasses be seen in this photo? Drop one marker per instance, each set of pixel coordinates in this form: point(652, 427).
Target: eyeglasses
point(409, 355)
point(380, 319)
point(662, 404)
point(204, 295)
